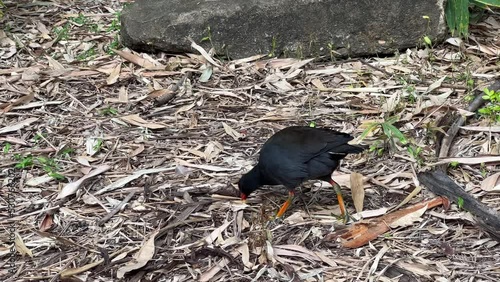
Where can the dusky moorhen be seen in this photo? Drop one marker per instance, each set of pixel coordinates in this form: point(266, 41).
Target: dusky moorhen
point(296, 154)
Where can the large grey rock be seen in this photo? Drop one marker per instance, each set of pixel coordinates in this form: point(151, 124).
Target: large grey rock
point(242, 28)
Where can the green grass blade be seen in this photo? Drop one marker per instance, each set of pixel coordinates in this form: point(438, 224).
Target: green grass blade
point(396, 133)
point(485, 3)
point(367, 131)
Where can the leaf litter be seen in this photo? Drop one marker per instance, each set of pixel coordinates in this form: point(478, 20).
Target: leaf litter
point(150, 148)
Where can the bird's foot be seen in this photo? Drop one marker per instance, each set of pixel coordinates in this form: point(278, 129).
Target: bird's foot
point(345, 217)
point(273, 221)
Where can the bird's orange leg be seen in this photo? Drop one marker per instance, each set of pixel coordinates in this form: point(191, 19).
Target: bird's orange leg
point(343, 210)
point(284, 207)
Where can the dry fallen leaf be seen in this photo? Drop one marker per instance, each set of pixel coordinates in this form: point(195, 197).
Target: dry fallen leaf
point(6, 41)
point(231, 132)
point(54, 64)
point(17, 126)
point(142, 257)
point(133, 58)
point(391, 103)
point(212, 150)
point(74, 271)
point(114, 75)
point(20, 101)
point(491, 183)
point(470, 160)
point(47, 222)
point(20, 246)
point(318, 84)
point(217, 232)
point(138, 121)
point(203, 53)
point(205, 167)
point(36, 181)
point(435, 85)
point(409, 219)
point(72, 187)
point(358, 191)
point(206, 276)
point(123, 181)
point(495, 129)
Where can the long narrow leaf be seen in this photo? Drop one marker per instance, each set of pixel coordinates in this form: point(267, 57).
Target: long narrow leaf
point(396, 133)
point(457, 17)
point(450, 17)
point(485, 3)
point(367, 131)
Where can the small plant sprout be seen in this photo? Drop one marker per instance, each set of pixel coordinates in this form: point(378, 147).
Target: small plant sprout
point(208, 37)
point(62, 32)
point(492, 109)
point(86, 54)
point(115, 23)
point(331, 48)
point(416, 153)
point(109, 111)
point(272, 53)
point(49, 165)
point(390, 131)
point(460, 202)
point(427, 41)
point(6, 148)
point(38, 137)
point(80, 20)
point(428, 19)
point(484, 171)
point(377, 147)
point(66, 152)
point(114, 44)
point(23, 162)
point(98, 146)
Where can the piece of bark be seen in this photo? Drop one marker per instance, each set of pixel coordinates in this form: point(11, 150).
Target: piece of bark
point(362, 232)
point(173, 90)
point(441, 184)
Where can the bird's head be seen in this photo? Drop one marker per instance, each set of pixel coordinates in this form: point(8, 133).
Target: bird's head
point(248, 183)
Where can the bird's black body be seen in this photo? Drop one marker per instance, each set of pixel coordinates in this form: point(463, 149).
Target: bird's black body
point(296, 154)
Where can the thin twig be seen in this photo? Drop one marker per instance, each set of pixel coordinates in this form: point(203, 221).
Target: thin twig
point(116, 209)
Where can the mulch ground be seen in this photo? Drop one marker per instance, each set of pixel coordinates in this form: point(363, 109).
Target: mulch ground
point(123, 164)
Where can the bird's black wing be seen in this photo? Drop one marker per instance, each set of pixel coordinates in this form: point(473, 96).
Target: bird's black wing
point(310, 142)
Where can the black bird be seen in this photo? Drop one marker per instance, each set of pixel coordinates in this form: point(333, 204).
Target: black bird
point(297, 154)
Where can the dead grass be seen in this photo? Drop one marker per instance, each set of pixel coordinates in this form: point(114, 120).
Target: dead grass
point(160, 203)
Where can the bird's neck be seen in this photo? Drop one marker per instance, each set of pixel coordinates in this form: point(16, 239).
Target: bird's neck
point(254, 178)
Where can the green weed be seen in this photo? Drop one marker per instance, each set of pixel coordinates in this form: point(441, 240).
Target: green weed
point(86, 54)
point(492, 109)
point(115, 23)
point(80, 20)
point(208, 37)
point(49, 165)
point(390, 131)
point(98, 146)
point(115, 44)
point(62, 32)
point(272, 53)
point(23, 162)
point(460, 202)
point(109, 111)
point(6, 148)
point(416, 153)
